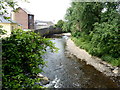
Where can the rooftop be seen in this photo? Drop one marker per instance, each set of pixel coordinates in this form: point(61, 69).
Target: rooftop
point(3, 20)
point(47, 22)
point(25, 10)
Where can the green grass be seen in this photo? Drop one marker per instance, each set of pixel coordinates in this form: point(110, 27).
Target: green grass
point(96, 51)
point(111, 60)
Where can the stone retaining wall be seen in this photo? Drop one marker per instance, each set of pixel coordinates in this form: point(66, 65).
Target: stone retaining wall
point(97, 63)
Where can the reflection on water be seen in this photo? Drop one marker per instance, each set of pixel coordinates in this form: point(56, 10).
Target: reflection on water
point(66, 72)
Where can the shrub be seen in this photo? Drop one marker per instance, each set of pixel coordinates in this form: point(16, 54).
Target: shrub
point(112, 60)
point(21, 58)
point(105, 37)
point(96, 27)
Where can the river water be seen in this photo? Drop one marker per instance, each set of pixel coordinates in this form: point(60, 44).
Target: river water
point(65, 72)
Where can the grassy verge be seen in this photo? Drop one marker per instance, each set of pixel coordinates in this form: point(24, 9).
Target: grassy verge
point(91, 49)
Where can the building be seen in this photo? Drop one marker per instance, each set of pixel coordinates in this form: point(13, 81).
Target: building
point(8, 25)
point(23, 17)
point(43, 24)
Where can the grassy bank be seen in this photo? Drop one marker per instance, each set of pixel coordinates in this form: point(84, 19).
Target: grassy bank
point(84, 43)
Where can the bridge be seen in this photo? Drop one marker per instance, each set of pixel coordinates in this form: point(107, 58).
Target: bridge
point(48, 31)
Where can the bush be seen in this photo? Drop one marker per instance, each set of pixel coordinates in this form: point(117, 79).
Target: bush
point(95, 27)
point(105, 37)
point(112, 60)
point(21, 58)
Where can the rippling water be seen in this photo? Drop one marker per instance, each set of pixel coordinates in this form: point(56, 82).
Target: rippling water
point(65, 72)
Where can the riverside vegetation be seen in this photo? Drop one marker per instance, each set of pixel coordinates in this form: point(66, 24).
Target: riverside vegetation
point(22, 59)
point(22, 55)
point(95, 27)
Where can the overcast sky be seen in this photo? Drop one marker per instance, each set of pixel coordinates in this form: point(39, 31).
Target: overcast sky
point(47, 10)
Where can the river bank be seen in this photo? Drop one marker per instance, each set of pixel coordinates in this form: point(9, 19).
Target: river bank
point(97, 63)
point(65, 70)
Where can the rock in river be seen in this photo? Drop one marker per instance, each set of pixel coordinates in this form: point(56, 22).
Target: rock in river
point(44, 80)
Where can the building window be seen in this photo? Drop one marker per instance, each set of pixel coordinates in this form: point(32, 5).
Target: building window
point(30, 17)
point(31, 24)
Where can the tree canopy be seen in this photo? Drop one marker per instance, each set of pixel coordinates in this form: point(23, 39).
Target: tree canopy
point(98, 25)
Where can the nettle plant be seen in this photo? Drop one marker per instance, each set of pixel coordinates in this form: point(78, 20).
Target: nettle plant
point(21, 57)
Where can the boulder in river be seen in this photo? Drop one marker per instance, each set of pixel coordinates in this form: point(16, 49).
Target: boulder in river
point(115, 70)
point(44, 80)
point(40, 75)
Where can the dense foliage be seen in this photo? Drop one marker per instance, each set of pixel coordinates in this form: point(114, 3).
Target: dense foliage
point(59, 24)
point(4, 4)
point(21, 54)
point(2, 31)
point(22, 59)
point(95, 27)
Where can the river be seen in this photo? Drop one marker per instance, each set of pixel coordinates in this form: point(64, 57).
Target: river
point(65, 72)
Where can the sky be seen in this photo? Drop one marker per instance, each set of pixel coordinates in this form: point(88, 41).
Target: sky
point(47, 10)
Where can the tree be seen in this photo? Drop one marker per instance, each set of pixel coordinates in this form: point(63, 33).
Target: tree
point(66, 26)
point(83, 15)
point(5, 4)
point(60, 24)
point(96, 24)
